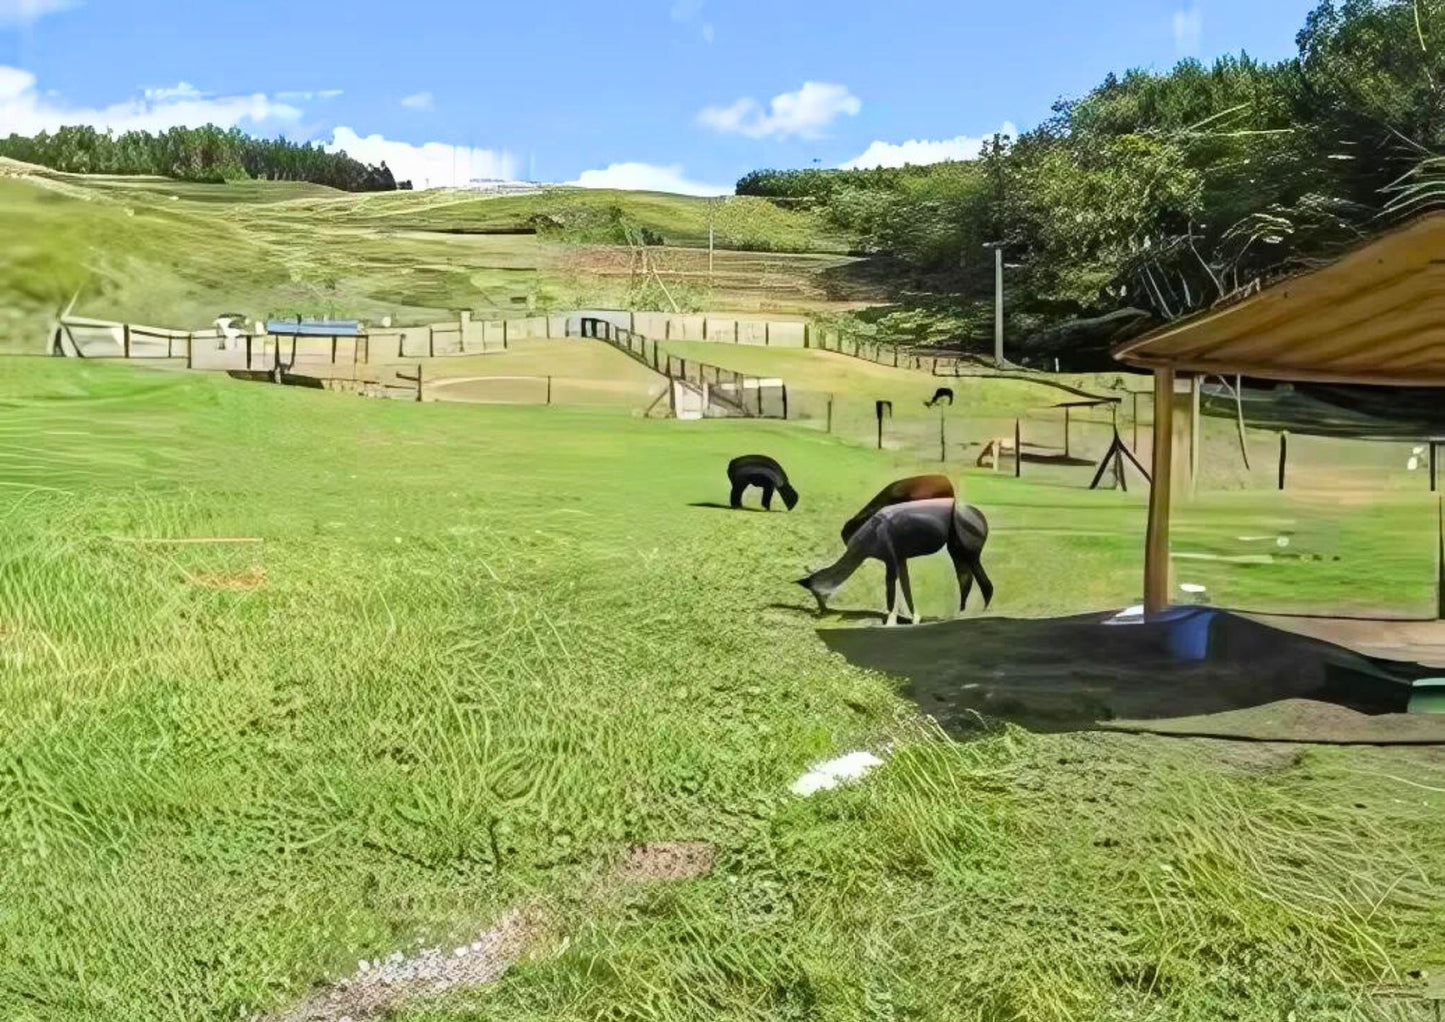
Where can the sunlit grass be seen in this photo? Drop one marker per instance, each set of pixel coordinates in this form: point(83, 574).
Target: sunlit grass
point(477, 650)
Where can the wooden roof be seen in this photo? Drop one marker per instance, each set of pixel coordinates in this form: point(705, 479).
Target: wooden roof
point(1377, 315)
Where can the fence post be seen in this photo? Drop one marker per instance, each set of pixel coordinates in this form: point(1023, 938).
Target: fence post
point(431, 343)
point(248, 351)
point(785, 402)
point(895, 356)
point(942, 438)
point(760, 397)
point(704, 328)
point(418, 381)
point(401, 343)
point(549, 390)
point(125, 339)
point(190, 346)
point(667, 329)
point(1018, 449)
point(1432, 465)
point(1283, 454)
point(830, 413)
point(504, 335)
point(333, 349)
point(767, 333)
point(807, 336)
point(735, 331)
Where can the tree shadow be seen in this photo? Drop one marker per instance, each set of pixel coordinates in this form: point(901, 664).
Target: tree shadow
point(1077, 673)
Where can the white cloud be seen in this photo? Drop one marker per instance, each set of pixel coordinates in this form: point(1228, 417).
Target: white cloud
point(686, 10)
point(433, 165)
point(419, 101)
point(1188, 30)
point(922, 151)
point(308, 96)
point(804, 113)
point(181, 90)
point(24, 111)
point(23, 12)
point(707, 33)
point(648, 177)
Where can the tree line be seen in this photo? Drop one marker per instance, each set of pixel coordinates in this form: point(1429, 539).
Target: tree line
point(209, 154)
point(1159, 194)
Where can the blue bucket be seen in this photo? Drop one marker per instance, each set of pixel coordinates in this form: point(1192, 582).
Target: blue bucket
point(1188, 635)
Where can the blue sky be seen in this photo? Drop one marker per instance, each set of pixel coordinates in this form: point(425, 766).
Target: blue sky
point(683, 94)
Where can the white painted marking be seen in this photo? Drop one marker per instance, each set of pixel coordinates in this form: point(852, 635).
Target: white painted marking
point(834, 772)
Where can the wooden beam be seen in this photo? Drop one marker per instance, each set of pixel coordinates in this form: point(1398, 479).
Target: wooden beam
point(1194, 389)
point(1156, 545)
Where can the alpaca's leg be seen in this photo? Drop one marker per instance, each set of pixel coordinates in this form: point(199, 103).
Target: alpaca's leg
point(736, 500)
point(890, 588)
point(907, 590)
point(767, 496)
point(962, 568)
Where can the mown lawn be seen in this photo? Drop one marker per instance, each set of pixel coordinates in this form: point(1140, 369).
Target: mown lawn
point(480, 649)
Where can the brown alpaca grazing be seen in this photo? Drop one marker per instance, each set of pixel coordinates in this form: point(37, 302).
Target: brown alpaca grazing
point(902, 491)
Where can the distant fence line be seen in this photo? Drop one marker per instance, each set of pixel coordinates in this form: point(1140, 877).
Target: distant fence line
point(696, 389)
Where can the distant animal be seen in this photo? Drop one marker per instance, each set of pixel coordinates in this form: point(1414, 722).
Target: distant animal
point(901, 532)
point(940, 395)
point(763, 472)
point(900, 492)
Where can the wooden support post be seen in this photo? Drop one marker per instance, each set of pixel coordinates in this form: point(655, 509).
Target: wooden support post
point(704, 328)
point(1136, 420)
point(125, 339)
point(1066, 430)
point(1156, 544)
point(504, 335)
point(785, 402)
point(418, 381)
point(895, 356)
point(549, 390)
point(1434, 451)
point(1440, 560)
point(1194, 425)
point(190, 350)
point(1018, 449)
point(431, 344)
point(942, 438)
point(760, 396)
point(333, 349)
point(667, 329)
point(248, 351)
point(807, 336)
point(767, 333)
point(1283, 455)
point(830, 413)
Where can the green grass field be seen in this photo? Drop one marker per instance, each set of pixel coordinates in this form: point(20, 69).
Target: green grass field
point(478, 650)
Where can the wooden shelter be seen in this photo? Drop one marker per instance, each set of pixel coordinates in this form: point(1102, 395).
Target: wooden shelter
point(1375, 316)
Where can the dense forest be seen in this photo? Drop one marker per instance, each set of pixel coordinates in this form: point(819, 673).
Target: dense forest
point(1157, 195)
point(197, 154)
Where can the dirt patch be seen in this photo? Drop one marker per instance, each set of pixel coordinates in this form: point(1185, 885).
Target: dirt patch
point(377, 987)
point(664, 860)
point(1300, 720)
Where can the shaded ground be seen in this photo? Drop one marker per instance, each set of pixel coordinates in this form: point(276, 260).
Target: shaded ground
point(1078, 673)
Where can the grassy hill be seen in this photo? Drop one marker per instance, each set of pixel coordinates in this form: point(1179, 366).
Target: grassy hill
point(464, 655)
point(179, 254)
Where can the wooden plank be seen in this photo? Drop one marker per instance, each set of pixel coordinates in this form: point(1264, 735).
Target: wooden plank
point(1156, 544)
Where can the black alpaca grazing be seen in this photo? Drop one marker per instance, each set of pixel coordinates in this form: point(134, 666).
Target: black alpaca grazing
point(900, 532)
point(766, 474)
point(939, 396)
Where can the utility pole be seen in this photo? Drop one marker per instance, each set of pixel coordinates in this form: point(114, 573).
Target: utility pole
point(998, 305)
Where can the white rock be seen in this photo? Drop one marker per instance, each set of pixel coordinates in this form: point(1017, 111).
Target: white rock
point(1191, 587)
point(1283, 541)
